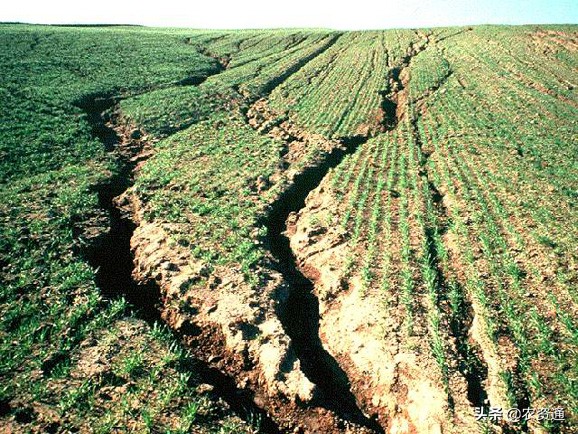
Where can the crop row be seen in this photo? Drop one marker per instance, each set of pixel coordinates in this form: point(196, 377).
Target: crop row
point(339, 94)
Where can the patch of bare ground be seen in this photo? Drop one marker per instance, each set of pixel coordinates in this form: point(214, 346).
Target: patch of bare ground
point(225, 322)
point(568, 40)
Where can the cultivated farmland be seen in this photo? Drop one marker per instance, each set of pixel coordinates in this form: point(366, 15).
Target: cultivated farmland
point(289, 231)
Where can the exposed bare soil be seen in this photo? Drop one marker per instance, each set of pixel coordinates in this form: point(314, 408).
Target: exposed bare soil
point(392, 381)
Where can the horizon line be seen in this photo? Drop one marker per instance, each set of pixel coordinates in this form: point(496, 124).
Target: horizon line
point(96, 24)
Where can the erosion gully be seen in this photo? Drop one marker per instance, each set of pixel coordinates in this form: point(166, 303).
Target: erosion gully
point(300, 313)
point(469, 364)
point(111, 256)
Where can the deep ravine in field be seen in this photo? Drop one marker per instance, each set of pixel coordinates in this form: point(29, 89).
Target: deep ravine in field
point(110, 254)
point(300, 313)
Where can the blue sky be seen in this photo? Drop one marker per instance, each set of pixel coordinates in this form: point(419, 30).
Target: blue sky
point(356, 14)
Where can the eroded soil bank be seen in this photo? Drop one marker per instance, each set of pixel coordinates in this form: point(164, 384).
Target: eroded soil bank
point(109, 252)
point(300, 313)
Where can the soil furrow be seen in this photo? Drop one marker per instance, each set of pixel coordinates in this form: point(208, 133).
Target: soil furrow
point(468, 363)
point(452, 35)
point(395, 96)
point(270, 87)
point(300, 313)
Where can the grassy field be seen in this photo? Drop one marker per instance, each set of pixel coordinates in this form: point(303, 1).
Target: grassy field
point(434, 260)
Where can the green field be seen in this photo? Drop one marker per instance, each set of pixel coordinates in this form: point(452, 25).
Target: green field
point(288, 230)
